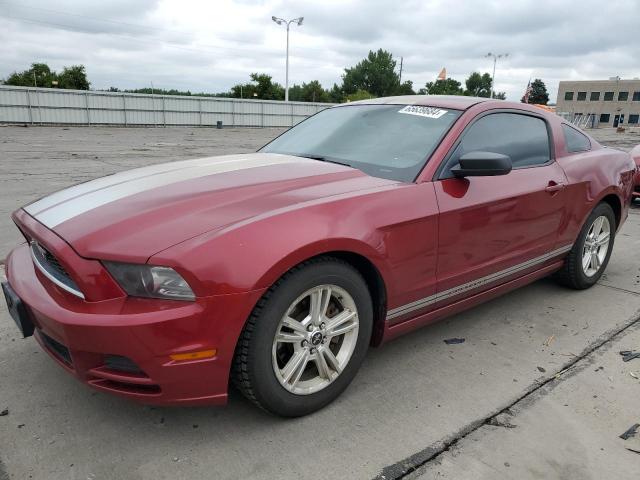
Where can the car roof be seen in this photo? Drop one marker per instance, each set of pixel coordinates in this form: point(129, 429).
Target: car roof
point(455, 102)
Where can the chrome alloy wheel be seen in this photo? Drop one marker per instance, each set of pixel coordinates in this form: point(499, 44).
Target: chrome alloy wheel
point(315, 339)
point(596, 246)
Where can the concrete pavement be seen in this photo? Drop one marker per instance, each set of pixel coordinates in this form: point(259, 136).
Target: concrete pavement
point(569, 428)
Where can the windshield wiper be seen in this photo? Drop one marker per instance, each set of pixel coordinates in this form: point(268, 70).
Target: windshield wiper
point(321, 158)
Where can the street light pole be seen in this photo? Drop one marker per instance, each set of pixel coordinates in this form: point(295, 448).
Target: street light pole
point(286, 75)
point(493, 77)
point(281, 21)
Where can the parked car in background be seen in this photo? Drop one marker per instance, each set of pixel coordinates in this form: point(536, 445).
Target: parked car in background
point(635, 154)
point(277, 270)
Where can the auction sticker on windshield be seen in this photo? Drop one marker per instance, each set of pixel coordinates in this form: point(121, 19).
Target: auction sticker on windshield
point(429, 112)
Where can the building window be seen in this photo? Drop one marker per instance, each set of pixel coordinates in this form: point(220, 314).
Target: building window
point(568, 95)
point(608, 96)
point(582, 96)
point(595, 96)
point(634, 118)
point(604, 117)
point(636, 96)
point(623, 96)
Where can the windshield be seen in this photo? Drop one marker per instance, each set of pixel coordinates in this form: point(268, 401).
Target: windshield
point(388, 141)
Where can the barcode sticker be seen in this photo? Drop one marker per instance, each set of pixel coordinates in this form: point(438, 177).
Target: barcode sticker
point(428, 112)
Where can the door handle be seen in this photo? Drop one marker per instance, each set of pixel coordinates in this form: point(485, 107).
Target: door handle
point(554, 187)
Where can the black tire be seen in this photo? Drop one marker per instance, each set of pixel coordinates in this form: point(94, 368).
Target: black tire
point(252, 371)
point(572, 274)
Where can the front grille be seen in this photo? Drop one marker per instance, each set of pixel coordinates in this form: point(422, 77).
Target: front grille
point(57, 348)
point(53, 262)
point(49, 265)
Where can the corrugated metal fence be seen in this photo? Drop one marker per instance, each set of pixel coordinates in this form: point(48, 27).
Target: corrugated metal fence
point(42, 106)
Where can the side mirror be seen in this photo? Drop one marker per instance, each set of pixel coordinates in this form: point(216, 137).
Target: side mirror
point(482, 164)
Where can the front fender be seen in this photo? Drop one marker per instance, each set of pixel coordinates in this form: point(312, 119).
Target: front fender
point(254, 256)
point(326, 247)
point(395, 229)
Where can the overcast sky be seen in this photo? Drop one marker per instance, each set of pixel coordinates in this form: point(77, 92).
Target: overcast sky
point(212, 45)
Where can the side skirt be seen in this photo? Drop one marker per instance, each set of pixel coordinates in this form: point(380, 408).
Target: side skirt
point(393, 331)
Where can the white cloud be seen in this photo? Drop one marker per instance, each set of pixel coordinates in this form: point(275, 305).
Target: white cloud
point(209, 46)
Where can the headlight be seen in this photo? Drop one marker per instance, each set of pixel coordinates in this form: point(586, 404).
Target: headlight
point(149, 281)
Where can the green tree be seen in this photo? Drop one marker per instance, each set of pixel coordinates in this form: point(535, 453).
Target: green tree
point(313, 92)
point(448, 86)
point(406, 88)
point(38, 75)
point(500, 95)
point(359, 95)
point(375, 74)
point(538, 93)
point(160, 91)
point(73, 77)
point(478, 85)
point(336, 94)
point(295, 93)
point(266, 88)
point(262, 85)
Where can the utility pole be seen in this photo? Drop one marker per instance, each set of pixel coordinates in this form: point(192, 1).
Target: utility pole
point(400, 71)
point(35, 83)
point(282, 21)
point(493, 77)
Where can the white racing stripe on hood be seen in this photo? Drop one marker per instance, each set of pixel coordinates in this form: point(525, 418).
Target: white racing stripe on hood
point(71, 202)
point(120, 177)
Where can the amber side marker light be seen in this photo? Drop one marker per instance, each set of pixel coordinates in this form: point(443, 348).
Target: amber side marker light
point(194, 355)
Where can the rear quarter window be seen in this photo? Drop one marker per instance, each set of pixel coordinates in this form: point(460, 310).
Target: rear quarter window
point(575, 141)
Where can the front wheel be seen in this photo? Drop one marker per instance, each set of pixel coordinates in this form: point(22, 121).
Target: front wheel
point(589, 256)
point(306, 339)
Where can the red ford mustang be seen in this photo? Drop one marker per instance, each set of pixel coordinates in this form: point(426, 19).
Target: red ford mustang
point(276, 270)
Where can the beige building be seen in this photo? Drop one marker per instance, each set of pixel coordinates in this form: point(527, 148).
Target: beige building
point(600, 103)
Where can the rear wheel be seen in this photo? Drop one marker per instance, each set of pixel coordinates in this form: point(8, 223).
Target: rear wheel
point(589, 256)
point(306, 339)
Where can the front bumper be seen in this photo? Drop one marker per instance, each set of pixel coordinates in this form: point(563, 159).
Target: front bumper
point(81, 335)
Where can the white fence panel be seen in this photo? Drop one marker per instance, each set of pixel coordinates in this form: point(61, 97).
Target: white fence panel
point(81, 107)
point(11, 114)
point(107, 117)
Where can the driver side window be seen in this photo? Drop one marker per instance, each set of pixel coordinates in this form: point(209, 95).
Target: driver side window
point(523, 138)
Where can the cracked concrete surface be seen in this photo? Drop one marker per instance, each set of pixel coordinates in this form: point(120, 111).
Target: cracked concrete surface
point(568, 429)
point(416, 398)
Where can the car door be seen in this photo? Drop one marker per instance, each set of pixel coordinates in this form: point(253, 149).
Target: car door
point(495, 228)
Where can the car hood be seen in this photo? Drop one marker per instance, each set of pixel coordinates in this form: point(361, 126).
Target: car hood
point(131, 215)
